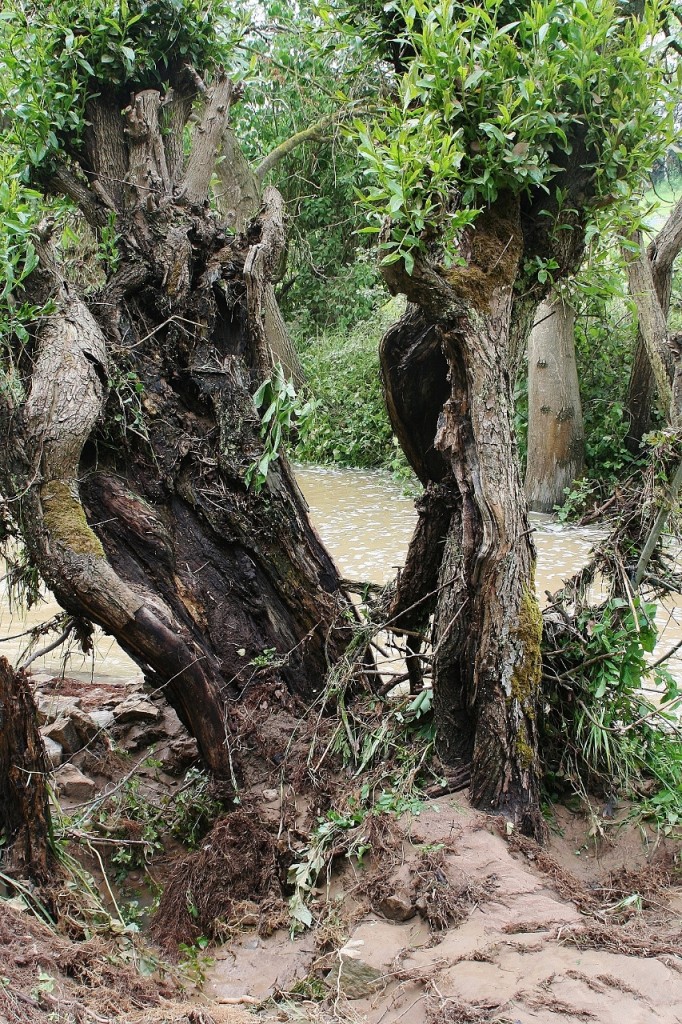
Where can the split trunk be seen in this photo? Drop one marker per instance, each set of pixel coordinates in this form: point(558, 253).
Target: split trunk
point(127, 440)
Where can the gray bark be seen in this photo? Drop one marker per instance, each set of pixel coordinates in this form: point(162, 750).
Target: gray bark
point(556, 441)
point(661, 255)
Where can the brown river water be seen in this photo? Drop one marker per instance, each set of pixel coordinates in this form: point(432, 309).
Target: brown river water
point(366, 521)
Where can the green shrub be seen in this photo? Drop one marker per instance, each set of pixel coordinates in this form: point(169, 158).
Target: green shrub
point(351, 425)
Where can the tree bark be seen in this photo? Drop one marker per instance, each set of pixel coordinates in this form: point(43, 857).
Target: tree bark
point(456, 418)
point(661, 255)
point(239, 201)
point(126, 460)
point(556, 440)
point(662, 349)
point(24, 805)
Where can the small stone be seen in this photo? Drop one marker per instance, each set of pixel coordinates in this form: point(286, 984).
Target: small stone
point(73, 785)
point(270, 795)
point(86, 727)
point(103, 719)
point(54, 751)
point(53, 705)
point(396, 907)
point(182, 753)
point(354, 978)
point(63, 732)
point(136, 709)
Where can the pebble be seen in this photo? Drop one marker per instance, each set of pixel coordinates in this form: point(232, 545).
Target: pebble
point(72, 784)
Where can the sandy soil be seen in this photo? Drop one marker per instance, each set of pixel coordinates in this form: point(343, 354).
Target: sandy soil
point(456, 921)
point(527, 942)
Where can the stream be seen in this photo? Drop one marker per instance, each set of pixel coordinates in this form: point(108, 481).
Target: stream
point(366, 521)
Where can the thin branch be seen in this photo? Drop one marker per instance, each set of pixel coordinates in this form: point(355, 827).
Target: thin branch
point(92, 206)
point(50, 647)
point(311, 134)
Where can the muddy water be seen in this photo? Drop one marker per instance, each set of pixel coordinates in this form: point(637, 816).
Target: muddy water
point(366, 522)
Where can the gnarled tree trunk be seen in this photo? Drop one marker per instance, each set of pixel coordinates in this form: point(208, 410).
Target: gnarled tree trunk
point(556, 439)
point(126, 460)
point(447, 373)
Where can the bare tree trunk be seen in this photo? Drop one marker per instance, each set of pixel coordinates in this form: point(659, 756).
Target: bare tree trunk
point(239, 200)
point(556, 440)
point(125, 462)
point(660, 255)
point(455, 420)
point(24, 806)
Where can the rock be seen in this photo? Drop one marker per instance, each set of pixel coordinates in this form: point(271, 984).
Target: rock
point(396, 907)
point(72, 784)
point(270, 795)
point(182, 753)
point(86, 727)
point(172, 726)
point(63, 732)
point(103, 719)
point(136, 709)
point(354, 978)
point(54, 751)
point(141, 736)
point(52, 706)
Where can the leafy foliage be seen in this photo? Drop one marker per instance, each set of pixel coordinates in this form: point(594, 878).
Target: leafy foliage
point(602, 731)
point(57, 55)
point(493, 94)
point(283, 414)
point(350, 426)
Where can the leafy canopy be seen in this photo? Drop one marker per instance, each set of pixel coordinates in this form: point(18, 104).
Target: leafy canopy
point(493, 93)
point(57, 55)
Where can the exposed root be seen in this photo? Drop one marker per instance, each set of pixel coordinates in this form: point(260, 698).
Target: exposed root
point(641, 942)
point(207, 893)
point(44, 974)
point(442, 900)
point(441, 1010)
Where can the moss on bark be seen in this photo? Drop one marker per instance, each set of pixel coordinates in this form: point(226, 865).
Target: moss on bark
point(65, 520)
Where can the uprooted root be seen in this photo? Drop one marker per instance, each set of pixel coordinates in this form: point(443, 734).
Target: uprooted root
point(635, 939)
point(236, 873)
point(442, 900)
point(441, 1010)
point(44, 975)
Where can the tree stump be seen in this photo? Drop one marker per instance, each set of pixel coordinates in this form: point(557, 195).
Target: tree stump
point(24, 808)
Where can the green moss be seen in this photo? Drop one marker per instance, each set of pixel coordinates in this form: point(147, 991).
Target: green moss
point(526, 677)
point(525, 753)
point(65, 520)
point(495, 249)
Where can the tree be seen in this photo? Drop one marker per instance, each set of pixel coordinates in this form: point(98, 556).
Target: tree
point(132, 460)
point(556, 439)
point(508, 123)
point(24, 807)
point(654, 271)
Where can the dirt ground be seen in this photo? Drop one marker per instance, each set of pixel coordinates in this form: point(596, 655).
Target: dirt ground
point(502, 932)
point(495, 930)
point(451, 919)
